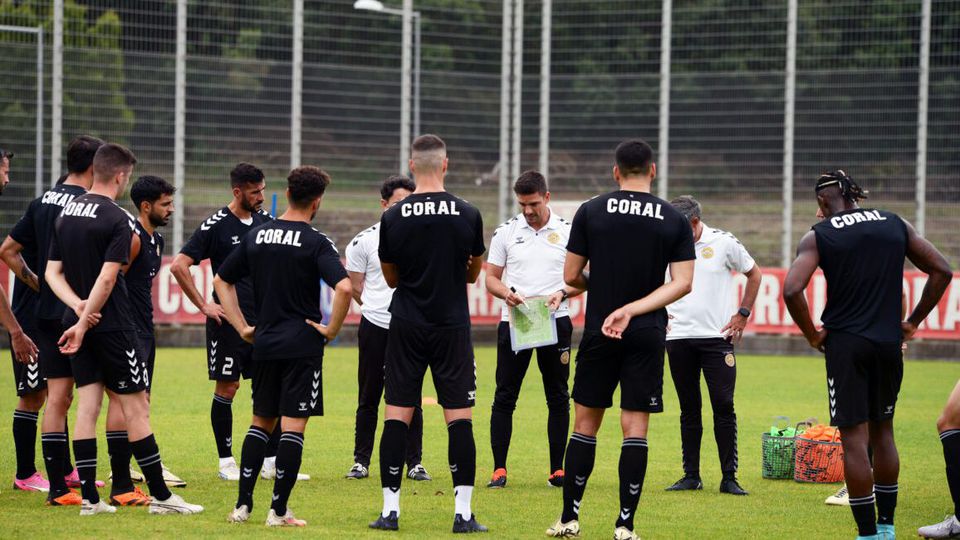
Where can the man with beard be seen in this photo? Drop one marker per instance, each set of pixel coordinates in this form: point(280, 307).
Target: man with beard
point(228, 353)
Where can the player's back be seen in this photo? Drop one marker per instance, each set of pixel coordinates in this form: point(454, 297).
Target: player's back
point(862, 253)
point(430, 237)
point(93, 230)
point(629, 238)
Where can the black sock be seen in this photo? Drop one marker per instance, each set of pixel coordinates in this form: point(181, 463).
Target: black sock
point(633, 469)
point(53, 446)
point(25, 442)
point(67, 464)
point(221, 419)
point(501, 429)
point(558, 426)
point(148, 457)
point(118, 446)
point(886, 496)
point(414, 453)
point(289, 455)
point(273, 442)
point(462, 452)
point(393, 444)
point(951, 455)
point(864, 514)
point(251, 461)
point(85, 451)
point(581, 452)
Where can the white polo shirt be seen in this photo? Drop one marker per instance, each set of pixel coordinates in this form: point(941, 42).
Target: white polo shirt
point(709, 306)
point(363, 257)
point(532, 261)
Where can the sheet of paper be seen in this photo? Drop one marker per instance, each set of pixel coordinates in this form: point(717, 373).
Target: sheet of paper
point(533, 325)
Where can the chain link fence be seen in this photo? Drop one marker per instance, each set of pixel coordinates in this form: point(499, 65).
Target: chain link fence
point(856, 98)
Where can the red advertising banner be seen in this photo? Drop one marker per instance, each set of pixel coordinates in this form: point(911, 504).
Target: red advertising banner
point(770, 315)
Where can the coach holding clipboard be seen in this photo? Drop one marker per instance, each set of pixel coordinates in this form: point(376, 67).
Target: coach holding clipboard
point(526, 260)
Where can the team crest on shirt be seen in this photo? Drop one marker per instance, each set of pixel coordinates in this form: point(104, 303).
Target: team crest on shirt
point(565, 357)
point(730, 359)
point(553, 238)
point(236, 239)
point(707, 253)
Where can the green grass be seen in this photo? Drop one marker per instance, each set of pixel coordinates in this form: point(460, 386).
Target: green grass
point(334, 507)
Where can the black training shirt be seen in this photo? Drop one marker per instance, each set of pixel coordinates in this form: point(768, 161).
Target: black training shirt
point(285, 261)
point(861, 254)
point(94, 230)
point(140, 278)
point(430, 238)
point(34, 232)
point(629, 238)
point(215, 239)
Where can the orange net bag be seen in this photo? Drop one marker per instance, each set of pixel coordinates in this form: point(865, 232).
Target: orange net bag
point(819, 456)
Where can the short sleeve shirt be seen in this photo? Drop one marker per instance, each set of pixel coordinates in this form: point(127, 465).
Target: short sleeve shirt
point(363, 257)
point(629, 238)
point(140, 278)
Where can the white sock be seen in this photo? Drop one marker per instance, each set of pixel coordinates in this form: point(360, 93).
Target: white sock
point(462, 496)
point(391, 502)
point(270, 463)
point(224, 461)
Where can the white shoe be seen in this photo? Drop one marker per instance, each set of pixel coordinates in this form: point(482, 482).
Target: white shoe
point(174, 505)
point(623, 533)
point(570, 529)
point(135, 475)
point(840, 498)
point(239, 515)
point(357, 472)
point(170, 479)
point(287, 520)
point(948, 528)
point(269, 472)
point(88, 509)
point(229, 471)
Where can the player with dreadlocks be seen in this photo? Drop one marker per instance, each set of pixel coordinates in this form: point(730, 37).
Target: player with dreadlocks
point(861, 253)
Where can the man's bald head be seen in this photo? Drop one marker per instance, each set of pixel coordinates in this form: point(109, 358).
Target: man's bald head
point(428, 154)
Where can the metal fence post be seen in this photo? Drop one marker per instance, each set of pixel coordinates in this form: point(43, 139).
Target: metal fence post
point(546, 30)
point(505, 59)
point(296, 90)
point(406, 63)
point(38, 175)
point(789, 95)
point(56, 94)
point(180, 121)
point(922, 110)
point(663, 142)
point(517, 79)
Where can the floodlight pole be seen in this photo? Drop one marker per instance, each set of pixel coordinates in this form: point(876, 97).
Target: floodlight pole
point(38, 140)
point(663, 138)
point(923, 104)
point(789, 97)
point(56, 93)
point(179, 124)
point(296, 87)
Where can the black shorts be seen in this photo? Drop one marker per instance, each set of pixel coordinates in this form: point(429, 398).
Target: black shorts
point(292, 388)
point(228, 355)
point(27, 376)
point(113, 358)
point(863, 378)
point(447, 351)
point(148, 347)
point(53, 365)
point(634, 362)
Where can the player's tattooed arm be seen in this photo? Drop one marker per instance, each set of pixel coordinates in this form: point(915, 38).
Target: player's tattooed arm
point(341, 303)
point(24, 350)
point(930, 261)
point(180, 268)
point(227, 293)
point(11, 254)
point(802, 269)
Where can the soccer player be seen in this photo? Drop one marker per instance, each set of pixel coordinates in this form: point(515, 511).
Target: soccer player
point(526, 259)
point(861, 253)
point(430, 248)
point(153, 198)
point(629, 237)
point(372, 293)
point(31, 388)
point(228, 353)
point(284, 260)
point(32, 236)
point(702, 337)
point(91, 243)
point(949, 427)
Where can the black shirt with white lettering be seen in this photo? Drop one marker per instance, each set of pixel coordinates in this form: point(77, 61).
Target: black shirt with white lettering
point(34, 232)
point(24, 300)
point(629, 238)
point(861, 254)
point(285, 261)
point(140, 278)
point(94, 230)
point(216, 238)
point(430, 237)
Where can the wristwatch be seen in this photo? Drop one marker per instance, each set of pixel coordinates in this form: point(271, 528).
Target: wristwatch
point(744, 312)
point(564, 294)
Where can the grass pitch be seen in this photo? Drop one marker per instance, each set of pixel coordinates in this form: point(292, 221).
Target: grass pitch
point(338, 508)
